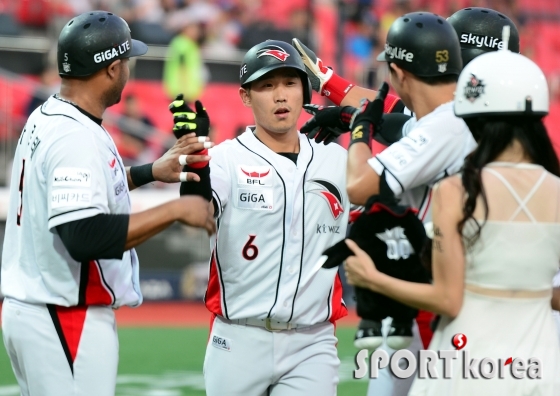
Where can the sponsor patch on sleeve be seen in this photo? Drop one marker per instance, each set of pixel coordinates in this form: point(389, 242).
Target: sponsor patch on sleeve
point(70, 198)
point(255, 199)
point(119, 188)
point(418, 140)
point(258, 176)
point(79, 177)
point(395, 158)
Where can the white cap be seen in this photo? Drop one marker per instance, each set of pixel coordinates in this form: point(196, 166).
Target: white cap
point(501, 83)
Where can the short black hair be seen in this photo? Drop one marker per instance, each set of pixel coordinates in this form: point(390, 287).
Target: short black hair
point(437, 80)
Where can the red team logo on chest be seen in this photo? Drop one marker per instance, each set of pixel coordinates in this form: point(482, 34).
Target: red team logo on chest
point(330, 193)
point(255, 174)
point(251, 175)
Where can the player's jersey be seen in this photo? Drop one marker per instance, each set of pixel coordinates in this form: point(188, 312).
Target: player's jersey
point(275, 220)
point(432, 148)
point(66, 168)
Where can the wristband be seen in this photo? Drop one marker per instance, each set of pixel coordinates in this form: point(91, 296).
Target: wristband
point(362, 133)
point(202, 188)
point(390, 103)
point(142, 174)
point(336, 89)
point(199, 165)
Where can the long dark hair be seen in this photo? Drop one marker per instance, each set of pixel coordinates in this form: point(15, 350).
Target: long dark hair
point(494, 134)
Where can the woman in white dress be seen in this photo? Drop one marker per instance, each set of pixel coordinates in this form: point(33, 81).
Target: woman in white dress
point(496, 243)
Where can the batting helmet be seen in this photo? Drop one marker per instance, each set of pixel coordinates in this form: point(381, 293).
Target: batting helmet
point(91, 41)
point(501, 83)
point(424, 44)
point(480, 31)
point(271, 55)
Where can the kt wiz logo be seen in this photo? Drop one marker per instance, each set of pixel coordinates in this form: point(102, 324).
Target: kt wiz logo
point(330, 193)
point(274, 51)
point(440, 364)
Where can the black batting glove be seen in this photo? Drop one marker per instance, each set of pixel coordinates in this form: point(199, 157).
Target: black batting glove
point(185, 120)
point(367, 120)
point(328, 123)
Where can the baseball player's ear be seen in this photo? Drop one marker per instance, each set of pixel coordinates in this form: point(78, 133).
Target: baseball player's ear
point(114, 69)
point(397, 72)
point(245, 96)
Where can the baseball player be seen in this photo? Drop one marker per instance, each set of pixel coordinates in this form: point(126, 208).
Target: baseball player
point(280, 202)
point(68, 257)
point(424, 164)
point(479, 30)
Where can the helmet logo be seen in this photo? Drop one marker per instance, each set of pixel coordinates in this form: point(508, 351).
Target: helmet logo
point(121, 49)
point(398, 53)
point(474, 88)
point(274, 51)
point(66, 65)
point(479, 41)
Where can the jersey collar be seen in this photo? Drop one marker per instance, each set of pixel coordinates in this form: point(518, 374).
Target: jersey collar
point(249, 140)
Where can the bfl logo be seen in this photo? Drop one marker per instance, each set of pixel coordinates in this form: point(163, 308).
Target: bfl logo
point(426, 360)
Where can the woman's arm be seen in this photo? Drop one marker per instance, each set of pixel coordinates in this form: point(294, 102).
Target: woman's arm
point(445, 295)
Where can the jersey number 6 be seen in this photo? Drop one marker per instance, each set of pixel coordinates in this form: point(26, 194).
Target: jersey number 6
point(250, 251)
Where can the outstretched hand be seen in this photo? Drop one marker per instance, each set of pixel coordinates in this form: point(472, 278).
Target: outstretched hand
point(168, 168)
point(359, 268)
point(328, 123)
point(367, 119)
point(186, 120)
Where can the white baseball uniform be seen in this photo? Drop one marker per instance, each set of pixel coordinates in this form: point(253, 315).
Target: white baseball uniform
point(275, 218)
point(556, 314)
point(57, 310)
point(432, 148)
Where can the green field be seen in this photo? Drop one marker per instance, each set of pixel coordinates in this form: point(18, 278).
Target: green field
point(168, 362)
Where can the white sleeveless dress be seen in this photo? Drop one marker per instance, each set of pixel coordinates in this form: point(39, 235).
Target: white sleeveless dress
point(506, 309)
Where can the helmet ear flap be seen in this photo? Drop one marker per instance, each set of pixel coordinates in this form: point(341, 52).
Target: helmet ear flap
point(307, 88)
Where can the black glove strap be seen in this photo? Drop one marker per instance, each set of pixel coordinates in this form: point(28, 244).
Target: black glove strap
point(361, 134)
point(142, 174)
point(202, 188)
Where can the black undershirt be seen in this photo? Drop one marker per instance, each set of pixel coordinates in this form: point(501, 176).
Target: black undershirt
point(98, 237)
point(93, 238)
point(290, 156)
point(98, 121)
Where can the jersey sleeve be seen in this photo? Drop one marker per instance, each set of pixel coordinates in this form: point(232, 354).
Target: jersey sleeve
point(75, 180)
point(219, 179)
point(419, 158)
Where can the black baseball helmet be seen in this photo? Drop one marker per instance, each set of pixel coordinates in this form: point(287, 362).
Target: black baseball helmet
point(424, 44)
point(271, 55)
point(92, 40)
point(480, 31)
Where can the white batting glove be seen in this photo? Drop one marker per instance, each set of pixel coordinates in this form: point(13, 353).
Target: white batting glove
point(318, 73)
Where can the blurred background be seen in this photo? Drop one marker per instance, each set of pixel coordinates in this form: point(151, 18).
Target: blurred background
point(195, 47)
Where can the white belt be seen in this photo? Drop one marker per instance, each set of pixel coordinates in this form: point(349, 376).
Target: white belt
point(268, 324)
